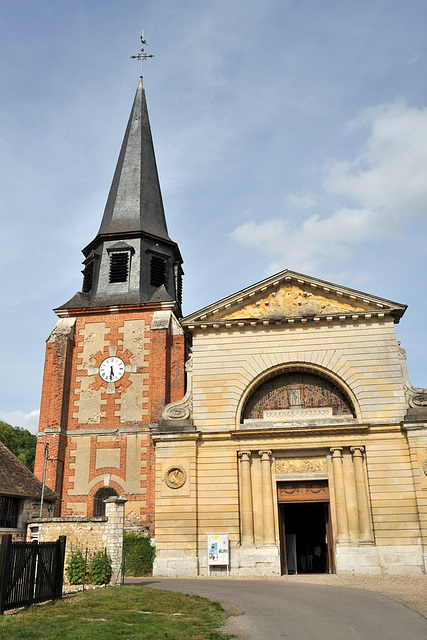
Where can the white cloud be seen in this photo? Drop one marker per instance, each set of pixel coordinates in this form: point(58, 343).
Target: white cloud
point(28, 421)
point(304, 201)
point(317, 241)
point(376, 193)
point(389, 171)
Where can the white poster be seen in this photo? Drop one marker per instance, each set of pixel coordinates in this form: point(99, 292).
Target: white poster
point(217, 548)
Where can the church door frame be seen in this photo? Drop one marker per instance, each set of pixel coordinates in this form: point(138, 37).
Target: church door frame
point(304, 492)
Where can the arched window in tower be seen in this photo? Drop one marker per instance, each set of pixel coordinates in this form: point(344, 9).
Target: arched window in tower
point(98, 501)
point(293, 392)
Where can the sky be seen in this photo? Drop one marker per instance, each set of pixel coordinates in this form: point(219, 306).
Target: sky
point(288, 134)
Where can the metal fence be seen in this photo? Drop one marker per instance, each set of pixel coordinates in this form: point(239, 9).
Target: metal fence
point(30, 572)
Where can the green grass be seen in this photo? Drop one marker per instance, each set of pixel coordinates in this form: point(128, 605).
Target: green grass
point(127, 612)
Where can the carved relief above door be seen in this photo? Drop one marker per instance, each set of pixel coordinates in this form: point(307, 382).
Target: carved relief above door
point(301, 465)
point(303, 491)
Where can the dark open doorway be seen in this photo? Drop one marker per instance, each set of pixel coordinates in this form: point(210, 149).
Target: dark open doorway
point(305, 538)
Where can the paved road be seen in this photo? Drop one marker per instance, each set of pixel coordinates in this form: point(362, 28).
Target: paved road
point(274, 610)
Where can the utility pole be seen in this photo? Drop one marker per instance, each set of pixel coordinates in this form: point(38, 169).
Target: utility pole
point(46, 453)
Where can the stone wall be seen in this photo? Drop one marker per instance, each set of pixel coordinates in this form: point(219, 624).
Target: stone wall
point(91, 533)
point(364, 357)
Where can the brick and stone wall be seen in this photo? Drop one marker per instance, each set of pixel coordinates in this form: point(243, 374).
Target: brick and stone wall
point(98, 432)
point(91, 533)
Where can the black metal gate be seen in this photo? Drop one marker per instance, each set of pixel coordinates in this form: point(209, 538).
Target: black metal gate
point(30, 572)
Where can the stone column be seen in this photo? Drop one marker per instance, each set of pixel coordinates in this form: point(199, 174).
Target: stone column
point(340, 500)
point(267, 499)
point(247, 533)
point(115, 513)
point(365, 531)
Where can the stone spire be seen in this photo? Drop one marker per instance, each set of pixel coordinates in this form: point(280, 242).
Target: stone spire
point(132, 259)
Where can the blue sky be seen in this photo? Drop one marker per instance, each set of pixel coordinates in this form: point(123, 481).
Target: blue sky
point(288, 134)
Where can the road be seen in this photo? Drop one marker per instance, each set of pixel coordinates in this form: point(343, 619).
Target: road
point(274, 610)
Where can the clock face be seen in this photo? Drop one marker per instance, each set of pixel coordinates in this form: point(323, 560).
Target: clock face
point(112, 369)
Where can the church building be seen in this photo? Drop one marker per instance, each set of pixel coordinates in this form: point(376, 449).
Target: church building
point(274, 431)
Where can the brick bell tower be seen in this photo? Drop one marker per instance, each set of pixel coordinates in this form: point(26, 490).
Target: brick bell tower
point(115, 357)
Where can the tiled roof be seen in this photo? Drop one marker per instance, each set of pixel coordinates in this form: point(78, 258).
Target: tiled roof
point(17, 480)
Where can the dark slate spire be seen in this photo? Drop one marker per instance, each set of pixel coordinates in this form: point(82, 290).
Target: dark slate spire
point(135, 201)
point(132, 259)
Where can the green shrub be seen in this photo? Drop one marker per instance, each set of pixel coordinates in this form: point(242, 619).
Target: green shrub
point(139, 554)
point(75, 566)
point(100, 568)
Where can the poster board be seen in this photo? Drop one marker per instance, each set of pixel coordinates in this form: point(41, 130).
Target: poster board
point(217, 550)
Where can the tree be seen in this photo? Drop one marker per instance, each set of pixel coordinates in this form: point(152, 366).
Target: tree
point(21, 442)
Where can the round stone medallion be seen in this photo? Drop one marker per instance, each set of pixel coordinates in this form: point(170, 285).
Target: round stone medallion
point(175, 477)
point(425, 466)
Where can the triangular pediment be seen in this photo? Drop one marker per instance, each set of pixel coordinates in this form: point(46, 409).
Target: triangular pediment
point(291, 296)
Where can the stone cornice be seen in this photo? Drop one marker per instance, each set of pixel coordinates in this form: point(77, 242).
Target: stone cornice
point(299, 431)
point(172, 437)
point(251, 322)
point(414, 426)
point(92, 431)
point(123, 308)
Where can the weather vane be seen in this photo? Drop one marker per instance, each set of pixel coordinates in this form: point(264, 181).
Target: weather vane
point(142, 55)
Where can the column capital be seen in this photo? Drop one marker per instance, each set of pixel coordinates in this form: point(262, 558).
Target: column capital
point(357, 451)
point(264, 453)
point(244, 453)
point(336, 452)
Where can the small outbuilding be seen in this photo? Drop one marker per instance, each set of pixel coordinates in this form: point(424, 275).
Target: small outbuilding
point(20, 495)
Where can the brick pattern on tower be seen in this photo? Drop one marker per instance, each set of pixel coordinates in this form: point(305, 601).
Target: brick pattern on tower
point(98, 434)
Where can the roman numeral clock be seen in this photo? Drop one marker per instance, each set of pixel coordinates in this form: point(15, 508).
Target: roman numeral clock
point(112, 371)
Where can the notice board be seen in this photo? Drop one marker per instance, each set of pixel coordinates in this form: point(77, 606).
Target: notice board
point(218, 549)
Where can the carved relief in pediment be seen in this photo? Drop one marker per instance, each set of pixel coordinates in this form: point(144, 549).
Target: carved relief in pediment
point(292, 300)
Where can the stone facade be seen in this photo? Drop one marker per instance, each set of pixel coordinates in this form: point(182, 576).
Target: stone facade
point(244, 473)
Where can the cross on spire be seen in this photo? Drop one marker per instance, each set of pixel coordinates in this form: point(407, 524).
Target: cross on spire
point(142, 55)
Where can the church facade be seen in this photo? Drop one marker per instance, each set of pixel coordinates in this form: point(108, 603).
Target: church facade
point(278, 423)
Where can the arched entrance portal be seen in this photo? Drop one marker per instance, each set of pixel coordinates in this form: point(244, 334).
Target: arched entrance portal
point(305, 530)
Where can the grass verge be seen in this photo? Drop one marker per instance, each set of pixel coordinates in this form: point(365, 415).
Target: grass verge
point(126, 612)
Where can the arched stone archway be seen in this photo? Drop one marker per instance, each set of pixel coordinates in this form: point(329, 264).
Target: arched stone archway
point(297, 389)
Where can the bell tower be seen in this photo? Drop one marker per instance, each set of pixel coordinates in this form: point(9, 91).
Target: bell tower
point(115, 357)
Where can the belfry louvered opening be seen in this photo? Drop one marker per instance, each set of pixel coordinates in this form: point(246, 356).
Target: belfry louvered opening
point(157, 271)
point(179, 292)
point(88, 276)
point(119, 266)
